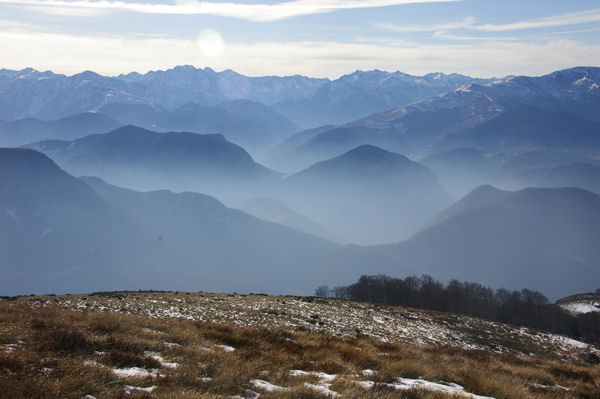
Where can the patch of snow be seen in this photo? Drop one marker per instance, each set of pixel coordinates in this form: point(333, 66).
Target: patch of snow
point(365, 384)
point(9, 348)
point(135, 372)
point(171, 344)
point(323, 377)
point(368, 372)
point(129, 389)
point(226, 348)
point(550, 387)
point(406, 384)
point(567, 342)
point(151, 331)
point(322, 389)
point(576, 308)
point(205, 349)
point(582, 81)
point(204, 379)
point(158, 357)
point(267, 386)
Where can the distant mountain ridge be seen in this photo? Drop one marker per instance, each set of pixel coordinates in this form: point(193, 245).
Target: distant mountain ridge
point(250, 124)
point(134, 157)
point(308, 101)
point(362, 93)
point(24, 131)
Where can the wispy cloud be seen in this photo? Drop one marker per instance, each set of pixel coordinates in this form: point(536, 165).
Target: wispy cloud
point(580, 17)
point(574, 18)
point(568, 32)
point(448, 36)
point(428, 27)
point(259, 12)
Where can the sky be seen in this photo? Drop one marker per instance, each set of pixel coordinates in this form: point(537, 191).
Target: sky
point(317, 38)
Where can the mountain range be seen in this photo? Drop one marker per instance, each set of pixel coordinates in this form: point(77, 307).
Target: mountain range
point(252, 125)
point(59, 233)
point(389, 155)
point(306, 101)
point(390, 195)
point(560, 110)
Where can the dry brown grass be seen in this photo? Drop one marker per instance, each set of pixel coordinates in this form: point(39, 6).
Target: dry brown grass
point(54, 353)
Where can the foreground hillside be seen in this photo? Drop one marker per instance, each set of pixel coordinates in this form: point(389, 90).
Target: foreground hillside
point(196, 345)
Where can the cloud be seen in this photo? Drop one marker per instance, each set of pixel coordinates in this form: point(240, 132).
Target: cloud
point(574, 18)
point(448, 36)
point(113, 55)
point(259, 12)
point(428, 28)
point(568, 32)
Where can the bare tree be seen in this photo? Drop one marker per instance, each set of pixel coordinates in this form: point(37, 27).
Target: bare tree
point(322, 291)
point(340, 292)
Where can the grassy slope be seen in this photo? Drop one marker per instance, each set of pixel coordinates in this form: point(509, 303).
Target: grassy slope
point(44, 344)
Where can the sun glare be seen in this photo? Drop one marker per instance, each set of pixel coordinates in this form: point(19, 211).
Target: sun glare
point(211, 43)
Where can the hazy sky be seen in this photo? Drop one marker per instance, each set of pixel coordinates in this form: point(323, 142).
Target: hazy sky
point(325, 38)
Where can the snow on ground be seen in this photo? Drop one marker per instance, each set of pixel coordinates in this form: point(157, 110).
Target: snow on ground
point(161, 360)
point(576, 308)
point(9, 348)
point(323, 377)
point(331, 316)
point(405, 384)
point(226, 348)
point(129, 389)
point(323, 389)
point(135, 372)
point(267, 386)
point(560, 387)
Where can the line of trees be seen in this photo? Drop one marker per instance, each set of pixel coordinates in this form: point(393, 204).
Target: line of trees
point(523, 308)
